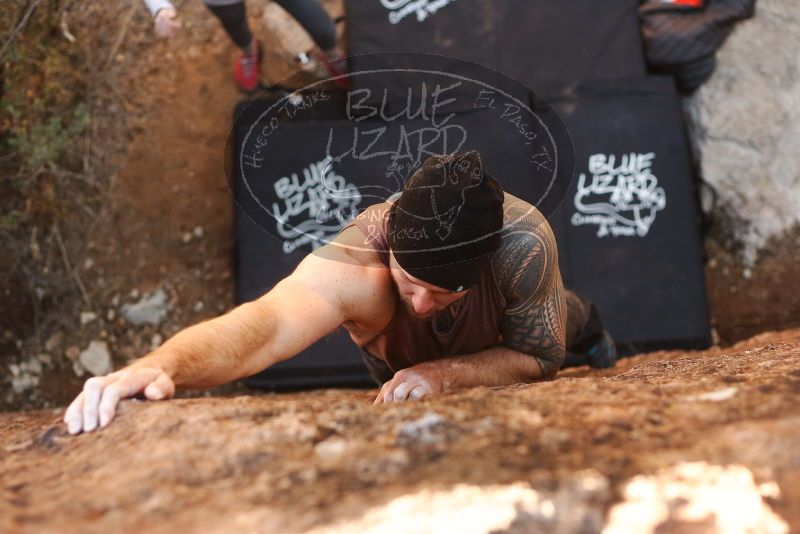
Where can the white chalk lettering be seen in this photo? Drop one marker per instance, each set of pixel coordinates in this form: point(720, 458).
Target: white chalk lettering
point(315, 207)
point(622, 196)
point(400, 9)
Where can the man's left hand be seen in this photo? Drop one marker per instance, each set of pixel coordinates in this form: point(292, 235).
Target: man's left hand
point(414, 383)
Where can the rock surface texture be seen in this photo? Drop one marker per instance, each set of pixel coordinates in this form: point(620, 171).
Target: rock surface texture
point(673, 441)
point(746, 124)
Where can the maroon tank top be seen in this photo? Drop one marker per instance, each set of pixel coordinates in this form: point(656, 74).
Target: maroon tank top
point(409, 340)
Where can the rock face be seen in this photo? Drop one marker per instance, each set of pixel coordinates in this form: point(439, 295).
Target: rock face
point(672, 441)
point(746, 123)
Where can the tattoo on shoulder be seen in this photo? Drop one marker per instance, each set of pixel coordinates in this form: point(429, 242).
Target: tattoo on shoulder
point(526, 269)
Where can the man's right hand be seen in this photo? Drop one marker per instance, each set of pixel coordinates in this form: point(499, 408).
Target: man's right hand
point(96, 405)
point(167, 23)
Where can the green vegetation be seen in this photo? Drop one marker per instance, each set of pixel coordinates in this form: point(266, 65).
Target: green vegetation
point(45, 120)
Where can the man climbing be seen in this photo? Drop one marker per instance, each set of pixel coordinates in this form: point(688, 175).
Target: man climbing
point(232, 15)
point(450, 284)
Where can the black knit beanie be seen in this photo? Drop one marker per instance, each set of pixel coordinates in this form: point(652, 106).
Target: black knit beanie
point(446, 225)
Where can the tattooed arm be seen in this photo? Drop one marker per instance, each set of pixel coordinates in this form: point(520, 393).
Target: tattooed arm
point(533, 326)
point(526, 268)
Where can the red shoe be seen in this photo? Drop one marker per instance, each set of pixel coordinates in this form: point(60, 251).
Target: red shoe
point(336, 65)
point(248, 69)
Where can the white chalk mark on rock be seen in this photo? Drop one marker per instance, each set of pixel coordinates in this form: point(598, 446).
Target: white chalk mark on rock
point(716, 396)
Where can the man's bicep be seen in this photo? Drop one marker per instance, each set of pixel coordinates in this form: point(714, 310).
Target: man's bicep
point(538, 330)
point(306, 305)
point(535, 315)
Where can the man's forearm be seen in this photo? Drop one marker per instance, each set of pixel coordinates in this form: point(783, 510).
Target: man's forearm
point(496, 366)
point(218, 350)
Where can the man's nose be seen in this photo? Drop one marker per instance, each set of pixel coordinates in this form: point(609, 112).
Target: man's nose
point(422, 301)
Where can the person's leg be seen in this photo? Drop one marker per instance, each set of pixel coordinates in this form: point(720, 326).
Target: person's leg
point(322, 29)
point(584, 326)
point(587, 339)
point(314, 20)
point(232, 15)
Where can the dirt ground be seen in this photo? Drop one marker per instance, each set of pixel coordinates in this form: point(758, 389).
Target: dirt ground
point(678, 442)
